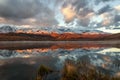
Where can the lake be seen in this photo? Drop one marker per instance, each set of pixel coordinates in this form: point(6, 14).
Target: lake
point(20, 60)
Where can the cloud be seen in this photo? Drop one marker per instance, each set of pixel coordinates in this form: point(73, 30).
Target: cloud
point(106, 0)
point(117, 18)
point(110, 15)
point(19, 8)
point(24, 11)
point(104, 9)
point(2, 20)
point(99, 1)
point(84, 16)
point(83, 13)
point(106, 22)
point(117, 7)
point(77, 9)
point(105, 19)
point(68, 13)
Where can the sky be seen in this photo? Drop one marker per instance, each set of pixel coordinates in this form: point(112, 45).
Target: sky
point(67, 13)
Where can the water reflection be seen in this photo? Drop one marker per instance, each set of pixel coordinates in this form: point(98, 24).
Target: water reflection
point(28, 57)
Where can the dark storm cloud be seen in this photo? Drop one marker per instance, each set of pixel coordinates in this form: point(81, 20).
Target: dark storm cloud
point(19, 8)
point(19, 12)
point(77, 4)
point(106, 0)
point(84, 22)
point(98, 1)
point(85, 15)
point(104, 9)
point(117, 18)
point(84, 12)
point(51, 12)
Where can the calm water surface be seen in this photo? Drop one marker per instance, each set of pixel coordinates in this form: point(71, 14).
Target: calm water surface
point(20, 60)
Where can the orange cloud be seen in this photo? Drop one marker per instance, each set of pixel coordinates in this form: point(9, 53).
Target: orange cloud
point(105, 15)
point(89, 15)
point(32, 20)
point(2, 20)
point(106, 22)
point(107, 19)
point(69, 13)
point(26, 26)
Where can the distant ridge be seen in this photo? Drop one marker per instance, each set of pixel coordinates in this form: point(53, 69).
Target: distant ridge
point(11, 33)
point(60, 29)
point(112, 37)
point(57, 37)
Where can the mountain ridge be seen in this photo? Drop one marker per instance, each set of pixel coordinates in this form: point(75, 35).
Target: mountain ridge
point(57, 37)
point(11, 33)
point(60, 29)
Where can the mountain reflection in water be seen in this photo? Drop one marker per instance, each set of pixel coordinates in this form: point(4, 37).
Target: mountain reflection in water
point(20, 60)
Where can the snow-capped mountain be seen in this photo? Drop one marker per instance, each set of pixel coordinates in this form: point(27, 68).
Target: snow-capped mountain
point(58, 29)
point(6, 29)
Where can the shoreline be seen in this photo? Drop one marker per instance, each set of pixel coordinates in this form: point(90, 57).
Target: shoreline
point(101, 42)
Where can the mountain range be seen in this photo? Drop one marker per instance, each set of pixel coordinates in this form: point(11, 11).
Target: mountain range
point(58, 29)
point(11, 33)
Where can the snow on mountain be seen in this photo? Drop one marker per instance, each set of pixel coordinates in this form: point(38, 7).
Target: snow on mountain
point(6, 29)
point(58, 29)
